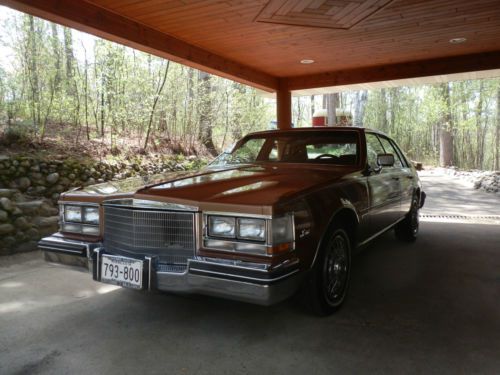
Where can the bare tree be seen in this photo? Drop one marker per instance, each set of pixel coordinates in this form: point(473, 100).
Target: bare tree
point(159, 89)
point(446, 130)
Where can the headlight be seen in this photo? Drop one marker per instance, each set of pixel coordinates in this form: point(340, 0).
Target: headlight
point(221, 226)
point(73, 214)
point(80, 219)
point(252, 229)
point(268, 236)
point(91, 215)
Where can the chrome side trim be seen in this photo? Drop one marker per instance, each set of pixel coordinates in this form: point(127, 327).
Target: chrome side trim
point(380, 232)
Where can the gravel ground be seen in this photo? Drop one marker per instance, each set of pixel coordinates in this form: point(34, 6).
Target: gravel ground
point(488, 181)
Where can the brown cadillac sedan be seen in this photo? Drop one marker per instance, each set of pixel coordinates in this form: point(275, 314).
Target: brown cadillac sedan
point(282, 212)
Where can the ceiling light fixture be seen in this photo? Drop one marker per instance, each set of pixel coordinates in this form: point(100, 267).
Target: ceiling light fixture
point(458, 40)
point(307, 61)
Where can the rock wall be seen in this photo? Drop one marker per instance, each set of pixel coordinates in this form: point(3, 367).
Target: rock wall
point(30, 188)
point(488, 181)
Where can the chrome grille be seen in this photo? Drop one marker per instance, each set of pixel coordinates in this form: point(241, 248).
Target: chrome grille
point(166, 234)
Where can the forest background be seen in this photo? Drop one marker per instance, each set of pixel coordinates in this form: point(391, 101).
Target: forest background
point(65, 90)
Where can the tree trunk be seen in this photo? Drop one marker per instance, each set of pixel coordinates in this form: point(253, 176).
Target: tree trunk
point(478, 159)
point(68, 51)
point(206, 115)
point(497, 137)
point(33, 73)
point(57, 54)
point(359, 109)
point(446, 131)
point(382, 112)
point(102, 107)
point(86, 97)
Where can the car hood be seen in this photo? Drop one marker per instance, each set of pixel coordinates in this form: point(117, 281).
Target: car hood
point(246, 184)
point(249, 184)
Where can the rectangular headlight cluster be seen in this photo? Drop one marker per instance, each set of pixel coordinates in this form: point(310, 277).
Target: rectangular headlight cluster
point(80, 219)
point(239, 228)
point(249, 235)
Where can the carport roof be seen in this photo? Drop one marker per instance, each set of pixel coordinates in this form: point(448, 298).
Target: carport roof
point(264, 43)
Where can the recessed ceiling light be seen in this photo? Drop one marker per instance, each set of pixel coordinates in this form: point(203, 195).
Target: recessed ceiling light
point(458, 40)
point(307, 61)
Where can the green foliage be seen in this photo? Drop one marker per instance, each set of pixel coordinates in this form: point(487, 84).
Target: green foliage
point(113, 93)
point(415, 117)
point(108, 91)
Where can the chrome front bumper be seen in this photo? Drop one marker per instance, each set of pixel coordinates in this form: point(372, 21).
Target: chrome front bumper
point(200, 276)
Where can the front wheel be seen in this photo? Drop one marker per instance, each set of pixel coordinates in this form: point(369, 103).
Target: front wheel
point(328, 284)
point(407, 229)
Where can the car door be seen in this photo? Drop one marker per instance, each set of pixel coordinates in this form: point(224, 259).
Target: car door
point(384, 188)
point(406, 174)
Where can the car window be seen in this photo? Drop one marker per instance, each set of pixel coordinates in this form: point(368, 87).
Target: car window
point(373, 148)
point(336, 149)
point(339, 149)
point(400, 153)
point(248, 152)
point(273, 153)
point(326, 147)
point(389, 149)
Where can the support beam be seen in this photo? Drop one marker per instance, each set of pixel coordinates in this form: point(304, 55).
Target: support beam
point(90, 18)
point(412, 69)
point(284, 108)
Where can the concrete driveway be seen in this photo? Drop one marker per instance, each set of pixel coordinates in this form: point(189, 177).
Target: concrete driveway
point(428, 307)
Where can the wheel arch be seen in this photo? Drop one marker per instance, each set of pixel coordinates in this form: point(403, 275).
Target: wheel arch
point(345, 217)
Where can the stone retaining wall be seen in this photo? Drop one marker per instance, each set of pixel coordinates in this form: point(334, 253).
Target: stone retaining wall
point(30, 188)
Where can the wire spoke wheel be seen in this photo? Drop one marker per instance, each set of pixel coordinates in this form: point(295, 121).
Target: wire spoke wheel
point(335, 269)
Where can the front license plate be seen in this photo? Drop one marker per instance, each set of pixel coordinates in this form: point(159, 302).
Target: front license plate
point(122, 271)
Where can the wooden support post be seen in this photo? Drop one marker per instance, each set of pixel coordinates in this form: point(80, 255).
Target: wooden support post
point(284, 108)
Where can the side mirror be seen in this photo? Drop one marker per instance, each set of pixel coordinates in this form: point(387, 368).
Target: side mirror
point(385, 160)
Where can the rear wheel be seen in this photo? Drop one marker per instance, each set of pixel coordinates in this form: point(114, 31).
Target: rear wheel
point(328, 284)
point(407, 230)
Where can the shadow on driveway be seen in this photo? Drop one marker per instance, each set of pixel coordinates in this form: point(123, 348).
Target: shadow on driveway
point(428, 307)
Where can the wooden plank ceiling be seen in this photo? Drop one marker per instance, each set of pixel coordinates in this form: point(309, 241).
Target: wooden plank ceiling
point(263, 42)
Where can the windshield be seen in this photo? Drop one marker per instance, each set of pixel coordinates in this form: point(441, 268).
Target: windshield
point(339, 148)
